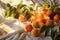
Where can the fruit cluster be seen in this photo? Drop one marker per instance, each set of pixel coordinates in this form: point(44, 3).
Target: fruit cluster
point(41, 18)
point(38, 20)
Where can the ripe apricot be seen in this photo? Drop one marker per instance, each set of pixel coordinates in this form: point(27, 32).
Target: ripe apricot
point(40, 16)
point(28, 27)
point(34, 33)
point(44, 11)
point(48, 22)
point(41, 23)
point(48, 12)
point(35, 24)
point(56, 18)
point(22, 18)
point(35, 14)
point(33, 19)
point(46, 17)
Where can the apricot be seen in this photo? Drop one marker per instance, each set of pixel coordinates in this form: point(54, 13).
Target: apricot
point(34, 33)
point(44, 11)
point(35, 24)
point(22, 18)
point(28, 27)
point(48, 22)
point(35, 13)
point(46, 17)
point(33, 19)
point(40, 16)
point(56, 18)
point(49, 12)
point(41, 23)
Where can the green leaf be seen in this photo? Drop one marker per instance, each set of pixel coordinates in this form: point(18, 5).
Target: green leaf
point(20, 4)
point(12, 14)
point(9, 5)
point(16, 16)
point(54, 34)
point(52, 8)
point(7, 13)
point(42, 29)
point(27, 15)
point(24, 8)
point(46, 5)
point(47, 30)
point(32, 9)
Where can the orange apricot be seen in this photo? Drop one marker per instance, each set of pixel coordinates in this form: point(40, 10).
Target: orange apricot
point(40, 16)
point(35, 14)
point(34, 33)
point(48, 12)
point(56, 18)
point(35, 24)
point(22, 18)
point(33, 19)
point(44, 11)
point(46, 17)
point(48, 22)
point(28, 27)
point(41, 23)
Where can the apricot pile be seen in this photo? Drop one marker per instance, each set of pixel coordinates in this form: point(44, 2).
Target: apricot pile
point(39, 20)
